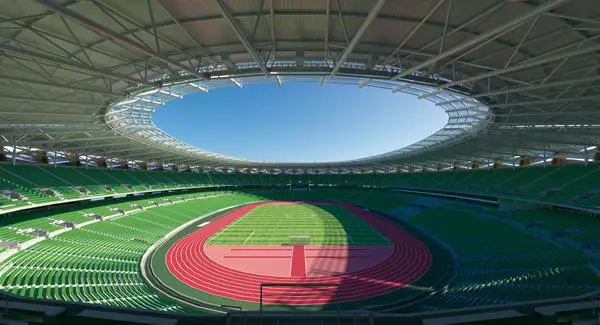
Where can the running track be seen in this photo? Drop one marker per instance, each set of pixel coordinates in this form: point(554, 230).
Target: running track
point(408, 261)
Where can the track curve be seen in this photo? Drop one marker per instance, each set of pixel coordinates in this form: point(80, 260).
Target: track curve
point(410, 259)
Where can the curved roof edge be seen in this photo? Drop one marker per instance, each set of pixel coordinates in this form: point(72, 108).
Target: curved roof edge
point(132, 116)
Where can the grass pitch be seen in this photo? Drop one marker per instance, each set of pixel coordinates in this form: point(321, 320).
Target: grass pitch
point(273, 224)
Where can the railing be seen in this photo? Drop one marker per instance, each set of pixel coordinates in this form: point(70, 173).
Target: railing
point(293, 285)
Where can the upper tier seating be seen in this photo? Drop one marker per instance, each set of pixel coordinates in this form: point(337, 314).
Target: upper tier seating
point(571, 184)
point(31, 181)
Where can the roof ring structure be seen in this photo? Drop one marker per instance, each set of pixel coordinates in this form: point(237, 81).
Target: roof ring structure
point(132, 116)
point(73, 74)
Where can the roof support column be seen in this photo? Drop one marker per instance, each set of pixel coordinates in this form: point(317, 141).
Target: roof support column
point(87, 158)
point(545, 157)
point(14, 153)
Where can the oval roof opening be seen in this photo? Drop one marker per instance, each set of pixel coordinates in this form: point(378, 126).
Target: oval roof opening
point(300, 122)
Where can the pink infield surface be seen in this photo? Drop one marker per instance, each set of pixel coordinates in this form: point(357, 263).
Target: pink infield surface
point(357, 272)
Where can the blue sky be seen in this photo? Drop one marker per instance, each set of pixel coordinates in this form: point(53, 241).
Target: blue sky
point(300, 122)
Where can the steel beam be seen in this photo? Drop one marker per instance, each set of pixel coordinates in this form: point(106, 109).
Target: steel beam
point(62, 86)
point(549, 101)
point(42, 115)
point(48, 101)
point(527, 64)
point(416, 28)
point(525, 88)
point(361, 30)
point(542, 8)
point(241, 34)
point(523, 38)
point(114, 36)
point(186, 31)
point(327, 10)
point(65, 62)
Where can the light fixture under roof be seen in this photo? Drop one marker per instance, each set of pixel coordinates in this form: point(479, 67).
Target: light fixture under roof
point(198, 87)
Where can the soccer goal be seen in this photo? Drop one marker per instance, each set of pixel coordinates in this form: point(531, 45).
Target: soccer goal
point(299, 240)
point(300, 187)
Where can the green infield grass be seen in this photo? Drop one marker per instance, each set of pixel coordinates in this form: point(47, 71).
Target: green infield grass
point(280, 224)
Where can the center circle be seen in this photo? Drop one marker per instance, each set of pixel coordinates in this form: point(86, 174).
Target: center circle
point(298, 269)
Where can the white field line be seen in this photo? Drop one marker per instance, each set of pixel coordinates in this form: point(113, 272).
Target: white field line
point(245, 241)
point(159, 242)
point(349, 238)
point(226, 228)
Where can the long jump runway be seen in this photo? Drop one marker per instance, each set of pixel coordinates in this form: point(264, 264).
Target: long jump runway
point(354, 272)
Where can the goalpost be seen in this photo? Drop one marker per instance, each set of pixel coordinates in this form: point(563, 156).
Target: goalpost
point(300, 187)
point(299, 240)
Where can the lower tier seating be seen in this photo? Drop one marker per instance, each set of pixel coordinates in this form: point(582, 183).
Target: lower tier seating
point(99, 263)
point(501, 263)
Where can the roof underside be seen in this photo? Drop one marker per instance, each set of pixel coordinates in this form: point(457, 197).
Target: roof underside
point(534, 63)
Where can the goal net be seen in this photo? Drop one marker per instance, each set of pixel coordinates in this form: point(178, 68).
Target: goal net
point(299, 187)
point(299, 240)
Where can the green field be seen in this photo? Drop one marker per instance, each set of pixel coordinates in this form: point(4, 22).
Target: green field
point(273, 224)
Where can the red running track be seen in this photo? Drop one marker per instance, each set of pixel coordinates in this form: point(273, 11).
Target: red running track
point(298, 262)
point(409, 259)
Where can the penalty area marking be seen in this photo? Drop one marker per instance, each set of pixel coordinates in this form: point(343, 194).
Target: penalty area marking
point(225, 229)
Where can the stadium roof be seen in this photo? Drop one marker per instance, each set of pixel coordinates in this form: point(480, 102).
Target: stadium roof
point(517, 78)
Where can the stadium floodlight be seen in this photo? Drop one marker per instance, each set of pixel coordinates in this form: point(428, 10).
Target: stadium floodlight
point(170, 93)
point(128, 101)
point(363, 83)
point(151, 101)
point(149, 92)
point(198, 87)
point(235, 82)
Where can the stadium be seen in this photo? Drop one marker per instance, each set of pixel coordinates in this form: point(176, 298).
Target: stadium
point(109, 219)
